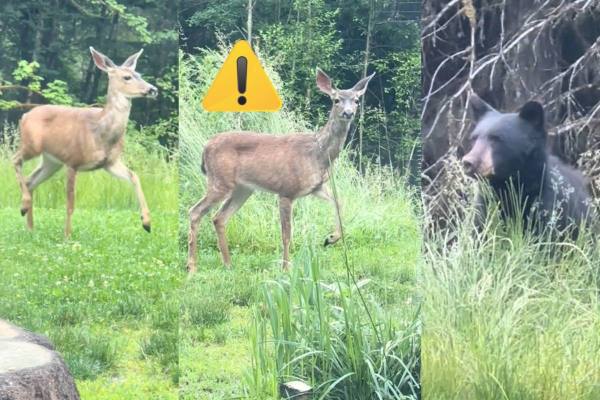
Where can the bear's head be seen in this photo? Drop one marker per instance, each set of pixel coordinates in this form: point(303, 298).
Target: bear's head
point(503, 145)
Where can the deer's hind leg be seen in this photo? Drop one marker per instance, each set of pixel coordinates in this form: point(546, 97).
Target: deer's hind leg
point(196, 213)
point(42, 173)
point(231, 205)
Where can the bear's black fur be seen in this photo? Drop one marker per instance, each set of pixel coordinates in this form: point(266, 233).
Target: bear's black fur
point(509, 151)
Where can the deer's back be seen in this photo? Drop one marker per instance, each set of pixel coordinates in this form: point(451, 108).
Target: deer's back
point(286, 164)
point(66, 133)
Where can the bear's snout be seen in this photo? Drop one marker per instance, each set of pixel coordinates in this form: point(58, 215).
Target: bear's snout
point(478, 162)
point(469, 167)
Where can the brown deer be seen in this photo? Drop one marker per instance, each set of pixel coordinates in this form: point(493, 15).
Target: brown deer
point(291, 166)
point(82, 138)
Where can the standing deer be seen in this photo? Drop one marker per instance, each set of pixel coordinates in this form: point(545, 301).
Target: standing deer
point(82, 138)
point(291, 166)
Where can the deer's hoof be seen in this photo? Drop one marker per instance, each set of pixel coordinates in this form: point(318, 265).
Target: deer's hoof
point(330, 239)
point(147, 227)
point(24, 211)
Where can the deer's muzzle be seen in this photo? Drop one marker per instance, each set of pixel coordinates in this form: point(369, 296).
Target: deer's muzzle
point(152, 92)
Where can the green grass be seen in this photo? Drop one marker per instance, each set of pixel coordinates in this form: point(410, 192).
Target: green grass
point(106, 297)
point(508, 316)
point(223, 308)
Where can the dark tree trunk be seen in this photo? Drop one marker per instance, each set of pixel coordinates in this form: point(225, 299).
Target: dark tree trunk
point(31, 369)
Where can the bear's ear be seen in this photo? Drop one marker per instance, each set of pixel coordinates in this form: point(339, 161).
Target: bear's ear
point(533, 112)
point(479, 107)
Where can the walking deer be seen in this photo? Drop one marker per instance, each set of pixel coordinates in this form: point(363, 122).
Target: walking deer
point(291, 166)
point(82, 138)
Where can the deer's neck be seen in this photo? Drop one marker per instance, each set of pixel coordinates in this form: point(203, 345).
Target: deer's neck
point(331, 139)
point(114, 117)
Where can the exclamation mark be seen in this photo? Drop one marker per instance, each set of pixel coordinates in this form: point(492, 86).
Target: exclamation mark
point(242, 75)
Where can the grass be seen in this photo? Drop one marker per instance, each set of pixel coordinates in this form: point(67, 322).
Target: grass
point(223, 308)
point(508, 316)
point(106, 297)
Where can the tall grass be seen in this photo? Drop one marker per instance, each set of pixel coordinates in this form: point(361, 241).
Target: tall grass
point(317, 331)
point(510, 316)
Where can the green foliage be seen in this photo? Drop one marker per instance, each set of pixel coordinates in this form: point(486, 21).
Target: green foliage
point(137, 23)
point(300, 45)
point(9, 104)
point(57, 92)
point(26, 72)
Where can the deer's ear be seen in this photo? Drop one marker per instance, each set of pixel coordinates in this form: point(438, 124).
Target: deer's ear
point(479, 107)
point(131, 62)
point(102, 62)
point(361, 87)
point(324, 82)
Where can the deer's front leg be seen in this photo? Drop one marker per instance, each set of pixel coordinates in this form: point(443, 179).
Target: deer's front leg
point(324, 194)
point(285, 213)
point(119, 170)
point(71, 176)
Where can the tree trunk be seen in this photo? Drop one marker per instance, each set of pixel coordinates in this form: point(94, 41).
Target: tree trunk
point(364, 75)
point(249, 22)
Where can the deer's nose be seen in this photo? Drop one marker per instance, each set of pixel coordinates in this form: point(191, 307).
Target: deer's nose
point(152, 92)
point(347, 114)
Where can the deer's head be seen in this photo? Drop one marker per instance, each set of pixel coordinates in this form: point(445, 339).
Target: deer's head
point(345, 102)
point(123, 78)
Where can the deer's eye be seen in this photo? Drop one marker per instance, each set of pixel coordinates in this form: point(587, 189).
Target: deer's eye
point(336, 101)
point(127, 77)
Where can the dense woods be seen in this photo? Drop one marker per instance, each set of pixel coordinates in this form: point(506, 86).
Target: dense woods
point(45, 57)
point(345, 39)
point(508, 52)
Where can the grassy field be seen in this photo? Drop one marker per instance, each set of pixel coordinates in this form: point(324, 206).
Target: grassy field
point(106, 297)
point(510, 317)
point(231, 345)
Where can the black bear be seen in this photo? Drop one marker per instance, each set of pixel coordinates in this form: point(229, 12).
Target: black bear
point(509, 151)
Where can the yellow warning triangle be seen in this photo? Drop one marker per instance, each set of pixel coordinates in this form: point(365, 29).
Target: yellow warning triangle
point(232, 91)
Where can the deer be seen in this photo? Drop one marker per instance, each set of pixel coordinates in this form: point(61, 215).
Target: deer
point(237, 164)
point(82, 138)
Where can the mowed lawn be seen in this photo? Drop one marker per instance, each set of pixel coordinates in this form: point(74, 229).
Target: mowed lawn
point(106, 297)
